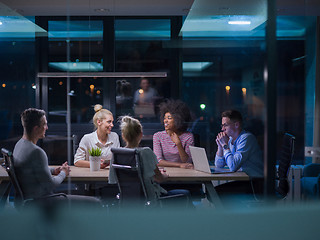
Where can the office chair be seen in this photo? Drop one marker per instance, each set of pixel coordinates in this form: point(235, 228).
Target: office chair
point(75, 143)
point(286, 156)
point(19, 200)
point(129, 172)
point(310, 182)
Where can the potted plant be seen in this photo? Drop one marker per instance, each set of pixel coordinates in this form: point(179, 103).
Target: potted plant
point(95, 158)
point(95, 152)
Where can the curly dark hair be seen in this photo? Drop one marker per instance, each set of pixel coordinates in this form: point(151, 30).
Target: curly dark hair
point(179, 111)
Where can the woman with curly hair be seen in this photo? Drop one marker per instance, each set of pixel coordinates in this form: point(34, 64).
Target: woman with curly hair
point(102, 138)
point(171, 146)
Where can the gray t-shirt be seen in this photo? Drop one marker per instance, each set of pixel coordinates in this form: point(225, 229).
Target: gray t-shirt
point(32, 170)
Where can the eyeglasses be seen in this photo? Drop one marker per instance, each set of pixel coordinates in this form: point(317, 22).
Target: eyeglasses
point(226, 124)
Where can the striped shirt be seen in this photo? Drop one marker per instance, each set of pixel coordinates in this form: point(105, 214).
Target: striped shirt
point(165, 149)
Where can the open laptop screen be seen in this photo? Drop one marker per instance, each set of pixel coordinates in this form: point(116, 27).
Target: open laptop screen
point(201, 163)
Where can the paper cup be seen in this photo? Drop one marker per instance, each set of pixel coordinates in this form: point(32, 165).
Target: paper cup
point(94, 163)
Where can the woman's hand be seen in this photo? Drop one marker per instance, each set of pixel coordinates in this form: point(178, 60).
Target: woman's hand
point(174, 137)
point(186, 165)
point(103, 164)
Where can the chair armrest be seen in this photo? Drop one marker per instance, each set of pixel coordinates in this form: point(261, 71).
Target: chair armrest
point(52, 195)
point(122, 166)
point(172, 196)
point(176, 200)
point(47, 196)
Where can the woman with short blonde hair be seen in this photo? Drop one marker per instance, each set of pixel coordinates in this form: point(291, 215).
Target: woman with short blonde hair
point(101, 138)
point(131, 132)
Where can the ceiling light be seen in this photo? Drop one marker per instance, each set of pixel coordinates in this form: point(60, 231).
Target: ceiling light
point(195, 66)
point(0, 23)
point(239, 22)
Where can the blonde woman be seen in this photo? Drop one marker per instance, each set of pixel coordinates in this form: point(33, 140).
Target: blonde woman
point(131, 132)
point(102, 138)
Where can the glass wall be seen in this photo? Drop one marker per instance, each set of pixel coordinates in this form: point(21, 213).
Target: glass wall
point(214, 61)
point(17, 81)
point(74, 46)
point(225, 70)
point(140, 47)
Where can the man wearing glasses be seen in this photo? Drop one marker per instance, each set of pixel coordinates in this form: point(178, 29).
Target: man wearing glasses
point(239, 150)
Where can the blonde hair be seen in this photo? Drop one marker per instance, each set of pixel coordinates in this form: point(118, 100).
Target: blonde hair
point(100, 113)
point(131, 128)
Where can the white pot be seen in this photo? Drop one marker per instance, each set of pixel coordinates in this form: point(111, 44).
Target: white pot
point(94, 163)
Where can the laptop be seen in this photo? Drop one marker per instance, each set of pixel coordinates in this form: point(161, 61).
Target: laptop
point(201, 163)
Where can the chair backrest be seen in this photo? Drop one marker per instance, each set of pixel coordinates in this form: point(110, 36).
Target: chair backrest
point(129, 172)
point(311, 170)
point(286, 155)
point(9, 166)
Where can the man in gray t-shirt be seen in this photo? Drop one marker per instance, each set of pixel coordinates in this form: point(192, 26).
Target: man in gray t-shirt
point(31, 162)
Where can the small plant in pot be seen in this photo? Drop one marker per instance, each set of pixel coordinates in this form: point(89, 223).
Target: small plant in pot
point(95, 158)
point(95, 152)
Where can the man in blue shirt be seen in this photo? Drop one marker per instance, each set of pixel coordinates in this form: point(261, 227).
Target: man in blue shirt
point(239, 150)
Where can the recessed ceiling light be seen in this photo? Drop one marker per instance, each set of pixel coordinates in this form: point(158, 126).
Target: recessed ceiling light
point(0, 23)
point(239, 22)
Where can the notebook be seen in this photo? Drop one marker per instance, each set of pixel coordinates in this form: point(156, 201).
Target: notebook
point(201, 163)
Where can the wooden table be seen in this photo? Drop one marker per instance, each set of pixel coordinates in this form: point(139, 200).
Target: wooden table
point(178, 175)
point(78, 174)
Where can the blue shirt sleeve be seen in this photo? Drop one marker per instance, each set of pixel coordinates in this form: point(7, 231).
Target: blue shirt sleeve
point(234, 159)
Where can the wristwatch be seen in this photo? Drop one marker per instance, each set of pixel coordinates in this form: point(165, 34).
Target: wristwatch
point(225, 147)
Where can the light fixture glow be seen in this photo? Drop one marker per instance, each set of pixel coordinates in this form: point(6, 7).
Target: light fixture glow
point(0, 23)
point(140, 91)
point(77, 66)
point(98, 92)
point(202, 106)
point(60, 83)
point(91, 87)
point(3, 85)
point(244, 90)
point(195, 66)
point(227, 88)
point(239, 22)
point(71, 93)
